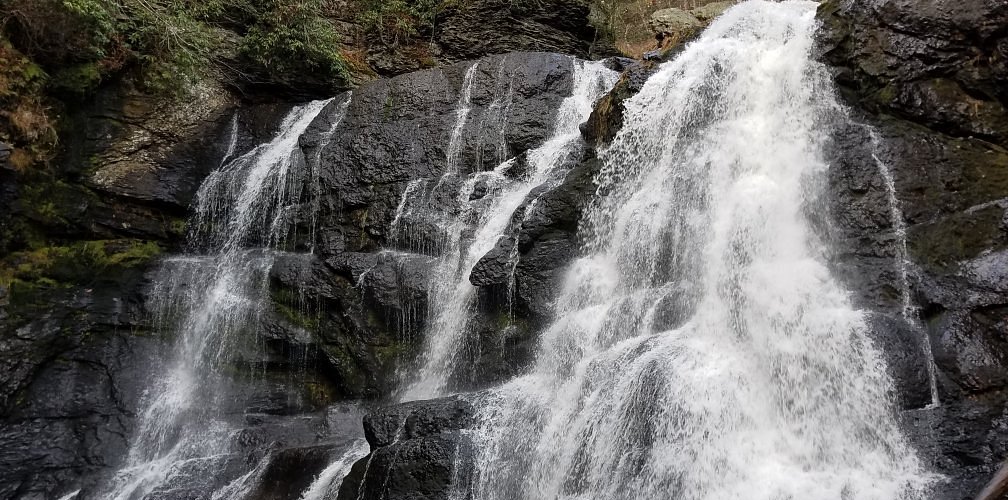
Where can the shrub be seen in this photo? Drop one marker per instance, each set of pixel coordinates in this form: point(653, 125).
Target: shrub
point(292, 36)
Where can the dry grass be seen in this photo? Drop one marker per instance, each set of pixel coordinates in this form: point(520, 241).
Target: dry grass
point(30, 121)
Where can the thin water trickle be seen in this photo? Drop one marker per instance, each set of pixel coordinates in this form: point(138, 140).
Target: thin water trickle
point(902, 261)
point(461, 116)
point(701, 349)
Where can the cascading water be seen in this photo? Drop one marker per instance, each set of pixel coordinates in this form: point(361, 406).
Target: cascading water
point(212, 299)
point(451, 295)
point(701, 349)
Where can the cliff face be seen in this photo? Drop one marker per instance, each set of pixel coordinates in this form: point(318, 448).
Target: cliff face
point(932, 79)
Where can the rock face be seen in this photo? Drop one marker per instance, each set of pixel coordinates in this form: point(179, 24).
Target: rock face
point(939, 64)
point(395, 133)
point(475, 29)
point(930, 78)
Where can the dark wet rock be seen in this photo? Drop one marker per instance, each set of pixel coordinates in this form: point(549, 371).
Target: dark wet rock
point(942, 64)
point(417, 419)
point(931, 77)
point(290, 471)
point(72, 422)
point(418, 450)
point(475, 29)
point(398, 130)
point(5, 153)
point(319, 315)
point(607, 117)
point(903, 346)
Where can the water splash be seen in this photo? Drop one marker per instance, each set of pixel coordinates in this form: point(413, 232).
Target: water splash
point(701, 350)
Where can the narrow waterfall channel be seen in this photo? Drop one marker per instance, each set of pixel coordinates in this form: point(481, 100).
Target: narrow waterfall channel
point(701, 349)
point(212, 298)
point(452, 295)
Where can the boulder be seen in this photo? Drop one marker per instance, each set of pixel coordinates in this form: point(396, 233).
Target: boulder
point(418, 450)
point(706, 13)
point(673, 23)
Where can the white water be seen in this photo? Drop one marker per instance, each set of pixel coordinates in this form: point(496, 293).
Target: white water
point(244, 212)
point(328, 482)
point(701, 349)
point(451, 295)
point(461, 115)
point(909, 312)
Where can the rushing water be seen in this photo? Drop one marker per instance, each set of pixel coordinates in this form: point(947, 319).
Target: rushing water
point(451, 295)
point(701, 349)
point(212, 298)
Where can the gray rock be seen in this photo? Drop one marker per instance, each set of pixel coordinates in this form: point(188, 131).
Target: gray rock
point(707, 13)
point(674, 23)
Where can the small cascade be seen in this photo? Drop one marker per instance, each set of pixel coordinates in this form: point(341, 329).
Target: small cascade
point(909, 310)
point(213, 298)
point(461, 115)
point(701, 349)
point(328, 482)
point(451, 295)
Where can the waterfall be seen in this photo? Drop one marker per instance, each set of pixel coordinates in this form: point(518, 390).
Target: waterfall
point(908, 311)
point(451, 295)
point(701, 349)
point(212, 299)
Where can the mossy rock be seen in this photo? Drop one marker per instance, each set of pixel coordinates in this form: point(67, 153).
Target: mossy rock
point(78, 263)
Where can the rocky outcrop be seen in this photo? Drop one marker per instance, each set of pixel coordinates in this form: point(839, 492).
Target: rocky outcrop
point(475, 29)
point(939, 64)
point(929, 79)
point(418, 450)
point(470, 30)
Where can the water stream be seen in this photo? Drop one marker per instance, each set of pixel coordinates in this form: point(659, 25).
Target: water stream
point(701, 349)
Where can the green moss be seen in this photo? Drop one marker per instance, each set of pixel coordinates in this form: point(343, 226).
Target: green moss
point(78, 79)
point(394, 21)
point(940, 245)
point(177, 227)
point(297, 317)
point(886, 95)
point(79, 263)
point(389, 354)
